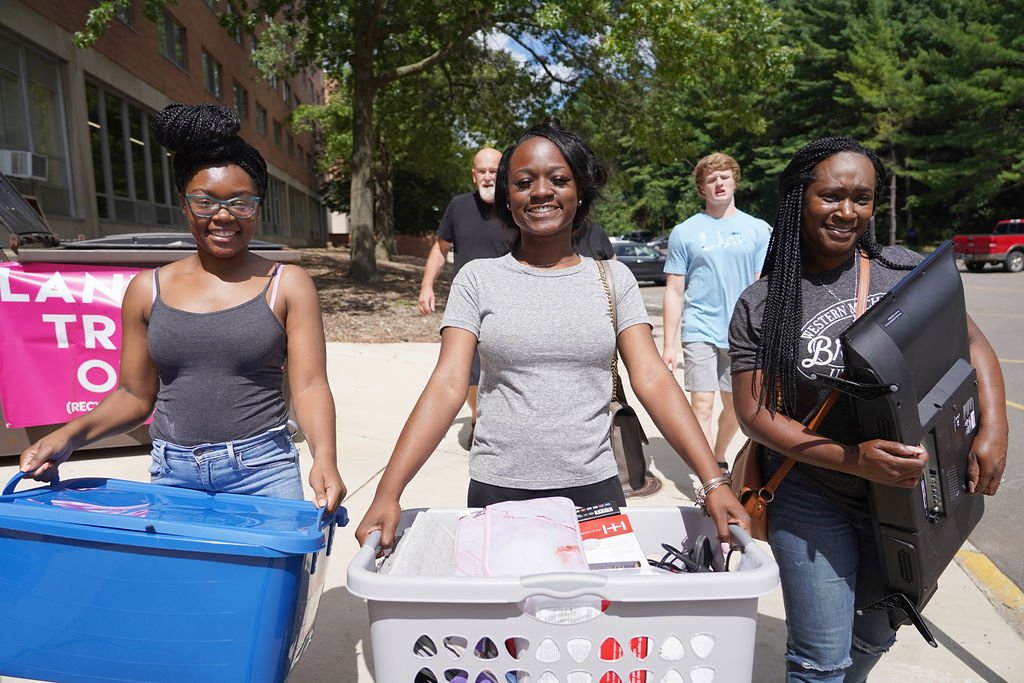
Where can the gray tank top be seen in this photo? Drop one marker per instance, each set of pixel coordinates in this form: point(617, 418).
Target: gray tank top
point(221, 373)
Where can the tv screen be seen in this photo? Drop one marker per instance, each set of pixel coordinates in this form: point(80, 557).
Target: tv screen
point(909, 361)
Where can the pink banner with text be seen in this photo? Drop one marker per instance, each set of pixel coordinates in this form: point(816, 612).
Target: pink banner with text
point(60, 339)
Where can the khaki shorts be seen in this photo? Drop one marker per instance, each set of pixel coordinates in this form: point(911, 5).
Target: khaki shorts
point(706, 367)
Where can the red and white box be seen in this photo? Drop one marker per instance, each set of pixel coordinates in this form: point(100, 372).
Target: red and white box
point(608, 539)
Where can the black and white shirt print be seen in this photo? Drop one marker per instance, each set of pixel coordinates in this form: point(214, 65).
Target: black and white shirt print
point(821, 351)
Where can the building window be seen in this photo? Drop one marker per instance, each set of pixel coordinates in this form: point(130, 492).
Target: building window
point(286, 91)
point(315, 220)
point(211, 74)
point(277, 133)
point(291, 146)
point(274, 207)
point(261, 120)
point(241, 98)
point(32, 122)
point(172, 40)
point(132, 172)
point(298, 225)
point(125, 14)
point(235, 26)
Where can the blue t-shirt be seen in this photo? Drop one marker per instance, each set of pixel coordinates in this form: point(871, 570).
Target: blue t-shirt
point(719, 258)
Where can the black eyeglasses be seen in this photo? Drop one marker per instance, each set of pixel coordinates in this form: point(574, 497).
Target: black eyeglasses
point(208, 207)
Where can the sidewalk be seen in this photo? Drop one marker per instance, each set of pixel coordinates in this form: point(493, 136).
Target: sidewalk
point(375, 387)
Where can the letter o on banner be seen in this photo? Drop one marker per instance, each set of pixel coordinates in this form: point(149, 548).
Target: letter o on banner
point(83, 376)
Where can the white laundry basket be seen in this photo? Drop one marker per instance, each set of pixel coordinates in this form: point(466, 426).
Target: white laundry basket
point(592, 627)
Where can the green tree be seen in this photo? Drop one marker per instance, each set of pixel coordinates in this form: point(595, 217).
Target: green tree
point(462, 105)
point(968, 150)
point(934, 86)
point(678, 82)
point(367, 45)
point(717, 55)
point(803, 106)
point(886, 89)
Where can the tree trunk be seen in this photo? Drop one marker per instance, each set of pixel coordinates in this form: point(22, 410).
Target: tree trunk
point(384, 213)
point(892, 199)
point(363, 267)
point(908, 212)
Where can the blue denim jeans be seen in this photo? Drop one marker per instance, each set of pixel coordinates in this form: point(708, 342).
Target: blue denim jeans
point(828, 565)
point(263, 465)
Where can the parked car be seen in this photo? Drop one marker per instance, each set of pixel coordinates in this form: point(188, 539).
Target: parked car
point(647, 263)
point(660, 243)
point(641, 236)
point(1003, 244)
point(21, 221)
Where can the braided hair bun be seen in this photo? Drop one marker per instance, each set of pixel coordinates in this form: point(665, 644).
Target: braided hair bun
point(206, 134)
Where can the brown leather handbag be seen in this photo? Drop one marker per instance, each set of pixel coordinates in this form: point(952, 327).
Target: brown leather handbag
point(627, 435)
point(747, 484)
point(747, 477)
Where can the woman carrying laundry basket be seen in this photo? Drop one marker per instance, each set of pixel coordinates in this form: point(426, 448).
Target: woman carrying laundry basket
point(541, 319)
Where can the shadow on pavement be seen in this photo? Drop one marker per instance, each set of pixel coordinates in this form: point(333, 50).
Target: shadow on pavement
point(769, 650)
point(958, 650)
point(465, 432)
point(340, 636)
point(671, 466)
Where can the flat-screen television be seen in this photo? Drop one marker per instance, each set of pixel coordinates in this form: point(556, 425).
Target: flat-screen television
point(908, 362)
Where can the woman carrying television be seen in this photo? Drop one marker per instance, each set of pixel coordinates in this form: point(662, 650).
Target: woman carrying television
point(786, 327)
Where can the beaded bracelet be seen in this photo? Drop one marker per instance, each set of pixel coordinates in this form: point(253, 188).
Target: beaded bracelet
point(710, 485)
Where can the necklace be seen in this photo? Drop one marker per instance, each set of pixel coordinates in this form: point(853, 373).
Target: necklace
point(814, 279)
point(564, 259)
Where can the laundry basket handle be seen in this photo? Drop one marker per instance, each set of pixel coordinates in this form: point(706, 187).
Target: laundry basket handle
point(564, 584)
point(9, 488)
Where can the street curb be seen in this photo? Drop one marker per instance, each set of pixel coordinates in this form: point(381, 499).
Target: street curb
point(987, 575)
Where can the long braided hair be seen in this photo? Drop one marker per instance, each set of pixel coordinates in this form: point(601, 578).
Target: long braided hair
point(202, 135)
point(778, 351)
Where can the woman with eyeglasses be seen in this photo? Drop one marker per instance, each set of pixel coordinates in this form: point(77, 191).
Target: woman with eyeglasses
point(205, 340)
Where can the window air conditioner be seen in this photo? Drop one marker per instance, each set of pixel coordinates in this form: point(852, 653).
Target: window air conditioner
point(22, 164)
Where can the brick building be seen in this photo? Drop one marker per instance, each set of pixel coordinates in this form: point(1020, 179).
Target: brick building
point(74, 124)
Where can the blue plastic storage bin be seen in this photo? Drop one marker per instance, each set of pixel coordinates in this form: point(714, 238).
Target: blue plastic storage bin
point(112, 580)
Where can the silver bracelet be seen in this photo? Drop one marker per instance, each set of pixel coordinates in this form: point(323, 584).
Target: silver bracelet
point(706, 486)
point(703, 492)
point(709, 486)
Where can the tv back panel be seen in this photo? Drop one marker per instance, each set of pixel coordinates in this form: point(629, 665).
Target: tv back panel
point(908, 362)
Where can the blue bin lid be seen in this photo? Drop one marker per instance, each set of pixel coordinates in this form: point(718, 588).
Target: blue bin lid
point(86, 507)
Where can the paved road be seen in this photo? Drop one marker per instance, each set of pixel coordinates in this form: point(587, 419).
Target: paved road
point(995, 300)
